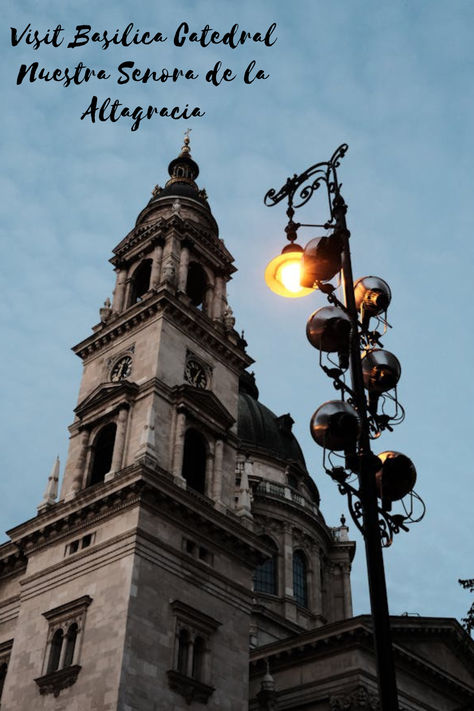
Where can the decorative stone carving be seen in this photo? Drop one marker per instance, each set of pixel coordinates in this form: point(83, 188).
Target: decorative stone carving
point(55, 682)
point(229, 319)
point(105, 311)
point(176, 207)
point(359, 699)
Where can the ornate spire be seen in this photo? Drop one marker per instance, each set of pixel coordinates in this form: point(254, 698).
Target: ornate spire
point(183, 169)
point(51, 492)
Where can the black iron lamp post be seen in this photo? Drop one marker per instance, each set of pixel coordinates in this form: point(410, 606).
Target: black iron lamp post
point(369, 405)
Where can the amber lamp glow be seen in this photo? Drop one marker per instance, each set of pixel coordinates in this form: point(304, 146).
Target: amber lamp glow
point(283, 273)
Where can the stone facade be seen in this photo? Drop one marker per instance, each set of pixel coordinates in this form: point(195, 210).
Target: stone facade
point(187, 536)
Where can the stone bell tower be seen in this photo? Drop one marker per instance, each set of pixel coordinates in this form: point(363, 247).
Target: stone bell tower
point(133, 590)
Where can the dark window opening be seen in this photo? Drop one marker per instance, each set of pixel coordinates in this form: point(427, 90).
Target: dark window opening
point(74, 547)
point(55, 651)
point(194, 461)
point(3, 674)
point(87, 540)
point(266, 575)
point(183, 649)
point(300, 587)
point(140, 282)
point(196, 284)
point(292, 481)
point(199, 649)
point(70, 644)
point(102, 454)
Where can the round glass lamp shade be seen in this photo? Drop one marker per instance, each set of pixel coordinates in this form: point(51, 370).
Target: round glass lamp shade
point(381, 370)
point(335, 425)
point(397, 476)
point(283, 273)
point(329, 329)
point(373, 294)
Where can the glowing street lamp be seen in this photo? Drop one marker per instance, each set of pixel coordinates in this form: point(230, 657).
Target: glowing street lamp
point(345, 427)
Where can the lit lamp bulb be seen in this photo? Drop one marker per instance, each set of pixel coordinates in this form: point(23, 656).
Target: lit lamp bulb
point(283, 273)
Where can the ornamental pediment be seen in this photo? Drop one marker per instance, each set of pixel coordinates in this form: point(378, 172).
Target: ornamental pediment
point(205, 406)
point(106, 394)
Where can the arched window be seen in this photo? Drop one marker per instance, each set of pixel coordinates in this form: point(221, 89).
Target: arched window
point(103, 450)
point(55, 651)
point(199, 649)
point(292, 481)
point(266, 575)
point(183, 650)
point(300, 584)
point(196, 284)
point(194, 461)
point(70, 644)
point(3, 675)
point(140, 282)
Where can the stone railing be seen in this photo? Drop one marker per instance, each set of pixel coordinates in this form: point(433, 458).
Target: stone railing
point(270, 489)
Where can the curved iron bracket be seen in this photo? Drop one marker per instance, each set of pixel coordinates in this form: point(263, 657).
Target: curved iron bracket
point(301, 187)
point(389, 524)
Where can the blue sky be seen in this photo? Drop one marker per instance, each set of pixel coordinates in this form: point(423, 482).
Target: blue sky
point(392, 79)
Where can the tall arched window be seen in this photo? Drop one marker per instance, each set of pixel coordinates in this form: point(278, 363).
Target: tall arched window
point(55, 651)
point(194, 461)
point(140, 282)
point(265, 578)
point(103, 450)
point(196, 284)
point(199, 649)
point(70, 644)
point(183, 650)
point(300, 583)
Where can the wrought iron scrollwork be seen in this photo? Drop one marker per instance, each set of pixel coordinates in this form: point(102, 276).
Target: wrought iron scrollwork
point(389, 524)
point(299, 190)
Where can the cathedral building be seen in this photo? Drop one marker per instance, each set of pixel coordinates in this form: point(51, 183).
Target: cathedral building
point(185, 561)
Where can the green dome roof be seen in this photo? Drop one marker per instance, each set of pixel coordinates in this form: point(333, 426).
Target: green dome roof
point(262, 431)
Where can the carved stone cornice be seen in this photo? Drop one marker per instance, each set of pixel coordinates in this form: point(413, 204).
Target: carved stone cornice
point(199, 235)
point(12, 560)
point(55, 682)
point(116, 395)
point(358, 699)
point(141, 485)
point(192, 321)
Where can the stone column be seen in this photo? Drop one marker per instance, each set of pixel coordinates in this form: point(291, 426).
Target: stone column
point(317, 593)
point(170, 261)
point(208, 301)
point(119, 444)
point(217, 473)
point(63, 646)
point(346, 583)
point(156, 267)
point(178, 450)
point(219, 293)
point(78, 480)
point(119, 291)
point(287, 560)
point(183, 268)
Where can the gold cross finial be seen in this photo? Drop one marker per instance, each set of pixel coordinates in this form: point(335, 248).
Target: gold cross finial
point(186, 149)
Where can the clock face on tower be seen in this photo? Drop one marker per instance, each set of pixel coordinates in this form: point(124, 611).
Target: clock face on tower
point(121, 369)
point(194, 374)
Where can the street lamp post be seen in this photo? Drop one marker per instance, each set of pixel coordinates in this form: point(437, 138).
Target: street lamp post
point(350, 425)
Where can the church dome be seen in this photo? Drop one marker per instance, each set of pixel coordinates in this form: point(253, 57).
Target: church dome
point(263, 432)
